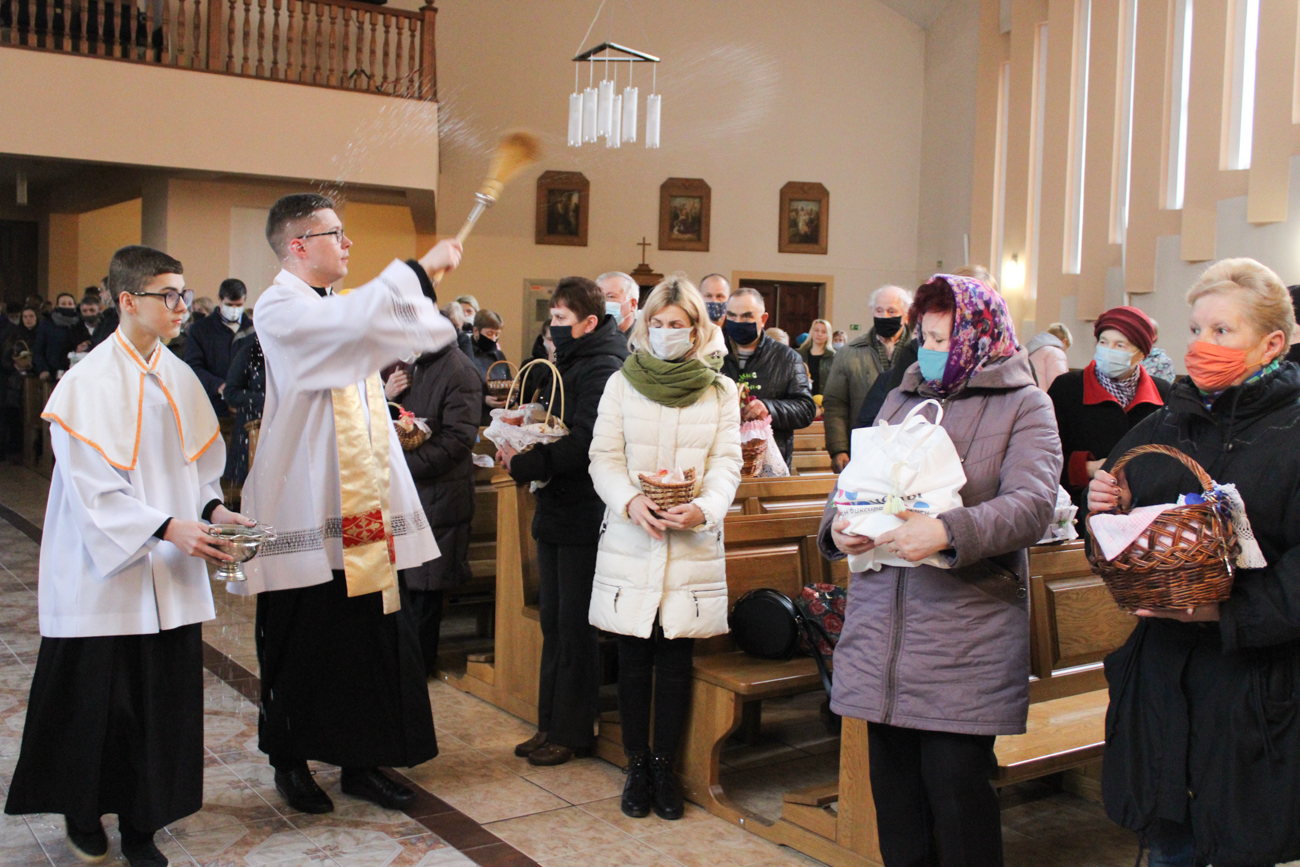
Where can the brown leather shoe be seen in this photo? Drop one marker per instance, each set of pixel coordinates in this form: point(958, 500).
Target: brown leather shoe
point(536, 742)
point(554, 754)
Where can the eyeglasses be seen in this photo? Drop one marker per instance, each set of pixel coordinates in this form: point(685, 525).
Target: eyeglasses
point(170, 297)
point(337, 234)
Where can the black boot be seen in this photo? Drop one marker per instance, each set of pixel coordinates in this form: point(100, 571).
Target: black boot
point(667, 799)
point(89, 844)
point(299, 790)
point(139, 849)
point(636, 791)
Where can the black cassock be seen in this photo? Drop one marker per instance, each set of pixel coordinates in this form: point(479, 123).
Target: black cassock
point(342, 682)
point(114, 725)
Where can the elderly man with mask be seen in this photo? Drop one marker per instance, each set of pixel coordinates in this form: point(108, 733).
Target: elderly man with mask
point(716, 290)
point(859, 364)
point(780, 381)
point(622, 295)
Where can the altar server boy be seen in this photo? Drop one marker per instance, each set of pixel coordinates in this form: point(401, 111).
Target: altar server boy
point(115, 718)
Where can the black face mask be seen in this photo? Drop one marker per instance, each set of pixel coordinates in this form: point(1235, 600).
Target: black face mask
point(486, 344)
point(468, 328)
point(91, 321)
point(887, 326)
point(740, 333)
point(717, 309)
point(561, 336)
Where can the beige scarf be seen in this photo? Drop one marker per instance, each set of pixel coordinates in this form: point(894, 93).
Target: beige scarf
point(368, 553)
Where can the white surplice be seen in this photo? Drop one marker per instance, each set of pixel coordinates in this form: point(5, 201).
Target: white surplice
point(103, 572)
point(313, 345)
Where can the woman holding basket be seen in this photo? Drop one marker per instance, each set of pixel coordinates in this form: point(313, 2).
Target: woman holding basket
point(661, 577)
point(936, 659)
point(1203, 731)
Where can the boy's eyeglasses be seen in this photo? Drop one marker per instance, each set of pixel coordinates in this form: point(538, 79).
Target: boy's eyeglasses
point(336, 234)
point(170, 297)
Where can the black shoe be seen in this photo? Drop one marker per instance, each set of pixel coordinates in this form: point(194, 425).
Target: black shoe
point(301, 792)
point(536, 742)
point(370, 784)
point(140, 850)
point(89, 846)
point(667, 799)
point(636, 790)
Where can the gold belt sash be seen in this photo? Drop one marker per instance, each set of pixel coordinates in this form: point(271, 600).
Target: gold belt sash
point(368, 553)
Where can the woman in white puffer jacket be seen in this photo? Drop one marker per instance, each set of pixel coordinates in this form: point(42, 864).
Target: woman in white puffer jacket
point(661, 579)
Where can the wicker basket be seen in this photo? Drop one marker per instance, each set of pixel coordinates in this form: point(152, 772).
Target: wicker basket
point(500, 388)
point(665, 495)
point(412, 438)
point(751, 454)
point(1185, 558)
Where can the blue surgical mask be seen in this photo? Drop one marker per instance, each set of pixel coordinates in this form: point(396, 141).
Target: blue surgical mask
point(615, 309)
point(740, 333)
point(933, 363)
point(1112, 363)
point(717, 309)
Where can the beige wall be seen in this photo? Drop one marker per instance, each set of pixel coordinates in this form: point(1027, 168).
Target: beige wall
point(756, 93)
point(101, 233)
point(134, 114)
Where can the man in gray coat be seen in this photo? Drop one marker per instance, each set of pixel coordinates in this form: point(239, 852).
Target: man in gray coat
point(858, 364)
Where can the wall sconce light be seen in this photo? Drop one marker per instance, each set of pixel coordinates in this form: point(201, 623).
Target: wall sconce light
point(22, 187)
point(1013, 273)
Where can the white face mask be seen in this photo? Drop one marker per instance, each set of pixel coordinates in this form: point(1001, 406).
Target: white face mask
point(670, 344)
point(231, 314)
point(837, 345)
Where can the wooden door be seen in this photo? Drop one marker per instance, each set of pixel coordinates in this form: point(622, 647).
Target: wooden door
point(18, 268)
point(791, 305)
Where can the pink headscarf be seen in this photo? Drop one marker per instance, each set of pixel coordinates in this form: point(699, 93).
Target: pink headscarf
point(982, 330)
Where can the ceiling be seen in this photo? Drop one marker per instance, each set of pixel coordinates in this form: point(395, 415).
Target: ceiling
point(922, 13)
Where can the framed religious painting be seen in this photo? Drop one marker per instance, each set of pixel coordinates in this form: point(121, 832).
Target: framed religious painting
point(805, 218)
point(684, 205)
point(563, 200)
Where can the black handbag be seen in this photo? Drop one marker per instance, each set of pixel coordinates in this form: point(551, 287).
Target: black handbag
point(765, 623)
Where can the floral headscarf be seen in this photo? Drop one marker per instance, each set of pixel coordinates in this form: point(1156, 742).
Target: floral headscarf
point(982, 331)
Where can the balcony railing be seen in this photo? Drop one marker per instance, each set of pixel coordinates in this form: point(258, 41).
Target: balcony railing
point(340, 44)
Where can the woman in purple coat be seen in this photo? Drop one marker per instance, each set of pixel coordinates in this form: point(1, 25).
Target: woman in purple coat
point(936, 660)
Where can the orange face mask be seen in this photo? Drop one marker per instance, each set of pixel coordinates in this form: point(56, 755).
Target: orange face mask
point(1213, 367)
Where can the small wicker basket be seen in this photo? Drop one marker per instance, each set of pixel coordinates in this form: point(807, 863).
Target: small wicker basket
point(411, 438)
point(500, 388)
point(665, 495)
point(751, 455)
point(1185, 558)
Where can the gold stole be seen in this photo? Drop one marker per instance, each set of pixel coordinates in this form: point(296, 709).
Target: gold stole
point(368, 553)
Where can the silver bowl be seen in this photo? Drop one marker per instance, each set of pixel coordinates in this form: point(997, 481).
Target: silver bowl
point(241, 543)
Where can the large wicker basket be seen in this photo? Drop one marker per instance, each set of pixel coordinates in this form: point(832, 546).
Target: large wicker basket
point(1185, 558)
point(500, 388)
point(751, 457)
point(665, 495)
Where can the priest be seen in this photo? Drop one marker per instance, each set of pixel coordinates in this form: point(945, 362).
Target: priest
point(343, 680)
point(115, 718)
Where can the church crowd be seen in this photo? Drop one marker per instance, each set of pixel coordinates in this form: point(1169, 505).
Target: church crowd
point(370, 537)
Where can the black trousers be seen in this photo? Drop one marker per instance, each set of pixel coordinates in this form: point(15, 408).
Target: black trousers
point(932, 786)
point(570, 675)
point(114, 725)
point(662, 667)
point(426, 607)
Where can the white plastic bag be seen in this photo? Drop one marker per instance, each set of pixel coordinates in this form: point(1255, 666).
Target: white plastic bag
point(910, 466)
point(523, 428)
point(1062, 527)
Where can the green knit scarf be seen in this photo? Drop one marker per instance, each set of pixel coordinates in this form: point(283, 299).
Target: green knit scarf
point(671, 383)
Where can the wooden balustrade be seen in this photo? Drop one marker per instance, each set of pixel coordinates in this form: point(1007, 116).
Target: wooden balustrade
point(340, 44)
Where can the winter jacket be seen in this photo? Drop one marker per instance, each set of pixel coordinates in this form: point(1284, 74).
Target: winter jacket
point(81, 333)
point(569, 510)
point(245, 394)
point(948, 649)
point(1047, 355)
point(446, 391)
point(12, 383)
point(1204, 719)
point(51, 338)
point(682, 579)
point(1091, 421)
point(819, 367)
point(208, 352)
point(856, 368)
point(783, 388)
point(483, 362)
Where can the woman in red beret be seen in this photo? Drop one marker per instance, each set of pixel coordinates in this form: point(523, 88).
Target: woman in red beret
point(1097, 406)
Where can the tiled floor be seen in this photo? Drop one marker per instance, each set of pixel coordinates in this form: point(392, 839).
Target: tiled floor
point(555, 816)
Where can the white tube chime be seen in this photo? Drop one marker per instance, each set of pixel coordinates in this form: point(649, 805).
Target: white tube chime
point(601, 111)
point(615, 137)
point(589, 114)
point(575, 113)
point(629, 114)
point(652, 120)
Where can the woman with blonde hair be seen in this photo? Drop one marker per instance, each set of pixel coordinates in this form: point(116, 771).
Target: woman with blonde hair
point(818, 353)
point(661, 578)
point(1201, 736)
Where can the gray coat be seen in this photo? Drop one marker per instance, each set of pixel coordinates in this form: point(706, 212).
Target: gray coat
point(852, 374)
point(948, 649)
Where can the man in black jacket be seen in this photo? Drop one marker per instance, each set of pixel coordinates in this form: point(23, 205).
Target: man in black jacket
point(780, 382)
point(207, 348)
point(588, 350)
